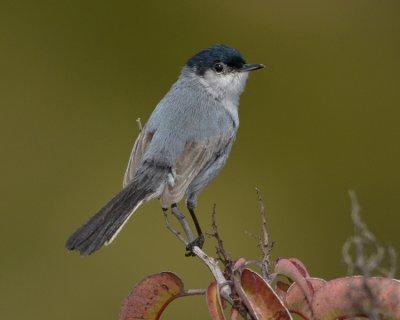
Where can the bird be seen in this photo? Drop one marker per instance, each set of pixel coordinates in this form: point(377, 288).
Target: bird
point(180, 150)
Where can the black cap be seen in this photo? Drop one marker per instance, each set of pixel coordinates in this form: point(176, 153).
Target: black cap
point(206, 58)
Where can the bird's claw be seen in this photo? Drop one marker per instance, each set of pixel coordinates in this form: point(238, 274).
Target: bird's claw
point(198, 242)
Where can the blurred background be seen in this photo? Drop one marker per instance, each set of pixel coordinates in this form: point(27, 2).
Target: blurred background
point(321, 119)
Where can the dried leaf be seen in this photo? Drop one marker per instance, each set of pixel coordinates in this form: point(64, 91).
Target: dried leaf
point(260, 299)
point(214, 302)
point(281, 289)
point(151, 296)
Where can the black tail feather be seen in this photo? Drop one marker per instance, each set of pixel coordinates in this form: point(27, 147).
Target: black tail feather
point(101, 228)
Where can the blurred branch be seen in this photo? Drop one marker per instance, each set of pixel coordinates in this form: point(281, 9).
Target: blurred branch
point(364, 241)
point(367, 258)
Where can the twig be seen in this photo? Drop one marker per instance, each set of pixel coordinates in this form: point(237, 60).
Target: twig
point(265, 244)
point(222, 254)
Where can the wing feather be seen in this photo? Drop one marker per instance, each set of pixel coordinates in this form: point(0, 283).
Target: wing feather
point(139, 148)
point(195, 157)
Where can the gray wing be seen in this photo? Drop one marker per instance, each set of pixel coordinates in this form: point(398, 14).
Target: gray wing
point(210, 171)
point(198, 163)
point(196, 158)
point(139, 148)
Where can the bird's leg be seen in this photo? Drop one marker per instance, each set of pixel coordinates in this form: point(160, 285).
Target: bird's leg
point(199, 241)
point(168, 225)
point(182, 220)
point(196, 222)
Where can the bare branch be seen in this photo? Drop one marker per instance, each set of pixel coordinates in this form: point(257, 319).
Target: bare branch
point(265, 244)
point(362, 242)
point(222, 254)
point(193, 292)
point(212, 264)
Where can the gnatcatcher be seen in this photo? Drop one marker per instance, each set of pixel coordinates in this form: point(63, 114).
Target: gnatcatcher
point(180, 150)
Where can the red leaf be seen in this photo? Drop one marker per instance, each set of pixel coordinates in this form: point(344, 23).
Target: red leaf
point(214, 302)
point(151, 296)
point(259, 297)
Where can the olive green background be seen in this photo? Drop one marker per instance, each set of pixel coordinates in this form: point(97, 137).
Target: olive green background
point(322, 118)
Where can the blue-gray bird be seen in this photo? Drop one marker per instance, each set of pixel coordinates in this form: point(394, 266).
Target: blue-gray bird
point(181, 148)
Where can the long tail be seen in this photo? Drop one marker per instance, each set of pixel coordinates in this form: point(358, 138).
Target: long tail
point(105, 224)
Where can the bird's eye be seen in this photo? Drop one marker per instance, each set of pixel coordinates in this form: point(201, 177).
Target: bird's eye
point(218, 67)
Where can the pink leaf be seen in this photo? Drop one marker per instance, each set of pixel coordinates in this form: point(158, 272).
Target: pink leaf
point(296, 301)
point(296, 271)
point(348, 297)
point(342, 298)
point(151, 296)
point(294, 263)
point(260, 299)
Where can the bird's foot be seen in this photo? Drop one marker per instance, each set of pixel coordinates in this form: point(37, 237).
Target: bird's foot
point(198, 242)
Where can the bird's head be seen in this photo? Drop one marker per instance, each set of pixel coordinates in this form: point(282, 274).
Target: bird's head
point(221, 68)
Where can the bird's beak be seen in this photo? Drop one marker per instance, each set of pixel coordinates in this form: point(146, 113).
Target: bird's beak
point(251, 67)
